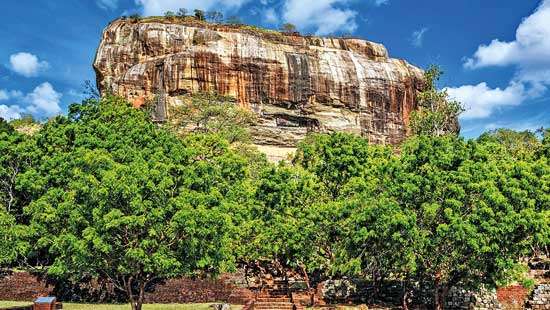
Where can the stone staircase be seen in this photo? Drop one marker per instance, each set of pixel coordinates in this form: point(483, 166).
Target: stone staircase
point(276, 298)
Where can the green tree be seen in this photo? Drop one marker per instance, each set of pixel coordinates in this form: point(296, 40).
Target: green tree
point(169, 14)
point(294, 223)
point(17, 155)
point(118, 198)
point(545, 148)
point(374, 229)
point(477, 213)
point(208, 113)
point(199, 15)
point(288, 28)
point(5, 127)
point(182, 12)
point(437, 114)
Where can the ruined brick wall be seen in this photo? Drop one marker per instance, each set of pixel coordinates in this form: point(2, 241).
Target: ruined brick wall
point(199, 291)
point(512, 297)
point(22, 286)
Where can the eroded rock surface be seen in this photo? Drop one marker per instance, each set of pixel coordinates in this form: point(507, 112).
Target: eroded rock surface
point(295, 84)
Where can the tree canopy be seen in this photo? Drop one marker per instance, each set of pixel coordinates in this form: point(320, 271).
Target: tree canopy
point(105, 193)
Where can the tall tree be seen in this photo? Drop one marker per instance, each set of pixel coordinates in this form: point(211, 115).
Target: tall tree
point(118, 198)
point(199, 15)
point(437, 114)
point(289, 28)
point(476, 219)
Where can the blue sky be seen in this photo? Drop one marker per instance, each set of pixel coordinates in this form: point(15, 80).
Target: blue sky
point(495, 53)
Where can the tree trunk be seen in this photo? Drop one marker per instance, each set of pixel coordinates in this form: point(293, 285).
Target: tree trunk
point(141, 296)
point(404, 302)
point(437, 300)
point(310, 292)
point(405, 297)
point(136, 302)
point(440, 294)
point(443, 295)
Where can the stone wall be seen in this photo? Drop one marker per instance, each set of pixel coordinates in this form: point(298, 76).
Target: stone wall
point(484, 299)
point(390, 292)
point(540, 298)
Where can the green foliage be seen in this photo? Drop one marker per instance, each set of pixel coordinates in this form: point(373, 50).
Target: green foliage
point(135, 17)
point(288, 28)
point(5, 127)
point(169, 14)
point(13, 243)
point(466, 199)
point(374, 230)
point(520, 145)
point(208, 113)
point(442, 203)
point(545, 149)
point(116, 197)
point(341, 160)
point(17, 154)
point(199, 15)
point(437, 115)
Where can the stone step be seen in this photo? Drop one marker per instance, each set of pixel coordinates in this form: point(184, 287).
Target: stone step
point(268, 306)
point(273, 299)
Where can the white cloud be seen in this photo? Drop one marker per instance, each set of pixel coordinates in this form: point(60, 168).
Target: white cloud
point(529, 53)
point(323, 16)
point(10, 112)
point(381, 2)
point(159, 7)
point(481, 101)
point(4, 95)
point(27, 64)
point(42, 102)
point(11, 94)
point(107, 4)
point(271, 17)
point(417, 38)
point(530, 48)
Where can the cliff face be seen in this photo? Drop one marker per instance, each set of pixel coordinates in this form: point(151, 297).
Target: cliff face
point(295, 84)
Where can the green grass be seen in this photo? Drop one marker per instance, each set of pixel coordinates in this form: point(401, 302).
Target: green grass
point(72, 306)
point(5, 304)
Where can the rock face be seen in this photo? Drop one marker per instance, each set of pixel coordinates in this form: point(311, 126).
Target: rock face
point(295, 84)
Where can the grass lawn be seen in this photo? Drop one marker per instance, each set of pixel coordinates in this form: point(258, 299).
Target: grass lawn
point(71, 306)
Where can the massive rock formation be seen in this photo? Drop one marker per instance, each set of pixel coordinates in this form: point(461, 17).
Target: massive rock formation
point(295, 84)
